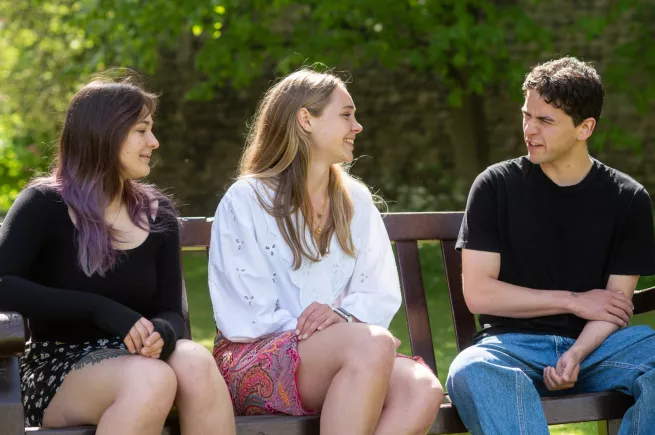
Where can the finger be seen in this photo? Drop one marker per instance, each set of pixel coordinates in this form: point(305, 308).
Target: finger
point(567, 372)
point(156, 347)
point(148, 325)
point(547, 381)
point(303, 317)
point(319, 312)
point(136, 339)
point(311, 328)
point(129, 343)
point(618, 312)
point(624, 303)
point(143, 332)
point(397, 341)
point(331, 320)
point(611, 318)
point(153, 338)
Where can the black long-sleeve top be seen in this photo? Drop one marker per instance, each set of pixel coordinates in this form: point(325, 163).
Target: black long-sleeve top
point(40, 277)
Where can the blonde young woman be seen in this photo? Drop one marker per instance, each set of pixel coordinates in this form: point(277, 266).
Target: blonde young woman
point(302, 275)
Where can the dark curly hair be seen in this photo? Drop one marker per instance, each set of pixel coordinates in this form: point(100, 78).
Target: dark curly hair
point(568, 84)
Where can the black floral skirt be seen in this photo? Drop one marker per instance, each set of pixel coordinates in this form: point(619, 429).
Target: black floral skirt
point(46, 363)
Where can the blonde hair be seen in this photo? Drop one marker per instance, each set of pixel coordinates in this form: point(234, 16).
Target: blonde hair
point(277, 153)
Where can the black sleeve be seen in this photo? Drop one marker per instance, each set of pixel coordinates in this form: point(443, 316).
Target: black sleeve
point(168, 319)
point(635, 253)
point(479, 230)
point(22, 235)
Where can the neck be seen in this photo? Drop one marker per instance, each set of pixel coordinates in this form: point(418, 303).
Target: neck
point(115, 203)
point(571, 168)
point(318, 178)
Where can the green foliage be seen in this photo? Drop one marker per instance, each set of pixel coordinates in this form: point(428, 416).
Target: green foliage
point(49, 47)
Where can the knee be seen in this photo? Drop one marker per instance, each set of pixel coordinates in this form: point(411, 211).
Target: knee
point(472, 370)
point(373, 352)
point(425, 396)
point(194, 366)
point(150, 381)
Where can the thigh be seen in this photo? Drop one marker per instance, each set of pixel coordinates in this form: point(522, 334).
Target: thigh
point(90, 389)
point(618, 361)
point(324, 353)
point(528, 353)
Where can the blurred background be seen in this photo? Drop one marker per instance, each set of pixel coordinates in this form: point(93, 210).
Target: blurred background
point(437, 84)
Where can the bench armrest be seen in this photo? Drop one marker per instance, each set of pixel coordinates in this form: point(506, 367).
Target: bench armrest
point(12, 334)
point(644, 300)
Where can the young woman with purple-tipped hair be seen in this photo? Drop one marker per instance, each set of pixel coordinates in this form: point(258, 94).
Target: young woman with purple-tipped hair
point(90, 256)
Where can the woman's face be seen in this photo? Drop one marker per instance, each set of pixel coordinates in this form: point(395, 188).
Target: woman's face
point(333, 133)
point(137, 149)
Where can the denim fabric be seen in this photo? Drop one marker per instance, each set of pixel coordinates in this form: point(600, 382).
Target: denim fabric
point(496, 384)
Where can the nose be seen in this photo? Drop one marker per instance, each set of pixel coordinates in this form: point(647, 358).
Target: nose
point(152, 141)
point(530, 128)
point(357, 127)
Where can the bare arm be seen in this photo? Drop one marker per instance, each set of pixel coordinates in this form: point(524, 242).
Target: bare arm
point(595, 332)
point(486, 294)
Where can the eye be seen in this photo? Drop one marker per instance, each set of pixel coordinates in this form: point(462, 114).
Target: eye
point(142, 131)
point(346, 115)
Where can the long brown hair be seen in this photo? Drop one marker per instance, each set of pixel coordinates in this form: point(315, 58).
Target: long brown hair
point(87, 169)
point(277, 153)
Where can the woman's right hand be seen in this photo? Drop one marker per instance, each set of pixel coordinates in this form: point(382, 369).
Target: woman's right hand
point(136, 338)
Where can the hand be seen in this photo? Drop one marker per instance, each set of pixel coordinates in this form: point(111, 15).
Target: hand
point(607, 305)
point(138, 335)
point(153, 346)
point(396, 341)
point(565, 375)
point(316, 317)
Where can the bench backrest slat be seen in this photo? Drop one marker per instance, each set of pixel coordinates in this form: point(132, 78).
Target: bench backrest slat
point(416, 305)
point(462, 318)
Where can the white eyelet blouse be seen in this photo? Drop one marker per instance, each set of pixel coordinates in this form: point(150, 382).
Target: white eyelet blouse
point(254, 289)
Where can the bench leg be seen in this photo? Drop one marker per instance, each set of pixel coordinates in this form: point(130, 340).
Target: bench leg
point(11, 406)
point(609, 427)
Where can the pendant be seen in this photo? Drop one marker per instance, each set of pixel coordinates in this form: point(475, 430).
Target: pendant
point(318, 230)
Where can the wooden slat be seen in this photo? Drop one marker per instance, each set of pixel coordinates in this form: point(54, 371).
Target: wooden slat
point(644, 300)
point(416, 305)
point(11, 404)
point(423, 226)
point(586, 407)
point(195, 232)
point(463, 320)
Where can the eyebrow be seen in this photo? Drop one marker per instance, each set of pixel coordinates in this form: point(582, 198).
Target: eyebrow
point(540, 118)
point(348, 107)
point(145, 121)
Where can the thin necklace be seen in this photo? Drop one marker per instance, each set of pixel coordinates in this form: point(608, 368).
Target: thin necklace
point(318, 229)
point(116, 217)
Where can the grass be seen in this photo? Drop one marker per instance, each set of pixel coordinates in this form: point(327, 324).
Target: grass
point(203, 327)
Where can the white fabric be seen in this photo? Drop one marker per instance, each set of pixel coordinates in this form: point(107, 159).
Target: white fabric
point(254, 289)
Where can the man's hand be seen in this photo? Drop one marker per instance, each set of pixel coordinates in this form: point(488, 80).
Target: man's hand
point(565, 375)
point(316, 317)
point(606, 305)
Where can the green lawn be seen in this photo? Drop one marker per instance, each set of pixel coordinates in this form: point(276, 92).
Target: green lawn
point(203, 328)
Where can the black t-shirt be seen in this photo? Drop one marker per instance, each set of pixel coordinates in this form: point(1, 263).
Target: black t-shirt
point(40, 277)
point(557, 238)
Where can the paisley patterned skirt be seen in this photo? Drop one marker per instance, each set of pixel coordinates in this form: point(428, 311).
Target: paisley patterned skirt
point(46, 364)
point(261, 376)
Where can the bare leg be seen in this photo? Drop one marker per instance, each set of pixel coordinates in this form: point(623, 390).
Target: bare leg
point(202, 398)
point(344, 372)
point(412, 402)
point(128, 395)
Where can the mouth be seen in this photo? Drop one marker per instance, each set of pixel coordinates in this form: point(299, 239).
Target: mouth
point(145, 157)
point(533, 145)
point(350, 142)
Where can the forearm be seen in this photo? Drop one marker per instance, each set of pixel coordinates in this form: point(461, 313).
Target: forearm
point(593, 334)
point(498, 298)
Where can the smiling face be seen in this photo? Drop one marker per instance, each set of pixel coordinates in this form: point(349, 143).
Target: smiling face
point(137, 149)
point(549, 133)
point(333, 132)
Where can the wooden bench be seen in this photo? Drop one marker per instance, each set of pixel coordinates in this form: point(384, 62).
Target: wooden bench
point(405, 229)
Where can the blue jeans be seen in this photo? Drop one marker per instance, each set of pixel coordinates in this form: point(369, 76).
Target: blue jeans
point(496, 384)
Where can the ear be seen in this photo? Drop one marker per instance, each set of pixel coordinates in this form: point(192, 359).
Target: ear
point(586, 128)
point(304, 118)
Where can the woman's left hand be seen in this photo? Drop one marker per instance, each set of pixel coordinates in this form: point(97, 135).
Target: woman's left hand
point(316, 317)
point(153, 346)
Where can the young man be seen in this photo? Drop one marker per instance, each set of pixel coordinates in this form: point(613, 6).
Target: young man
point(552, 247)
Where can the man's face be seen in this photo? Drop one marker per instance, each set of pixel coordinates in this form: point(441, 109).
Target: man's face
point(549, 133)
